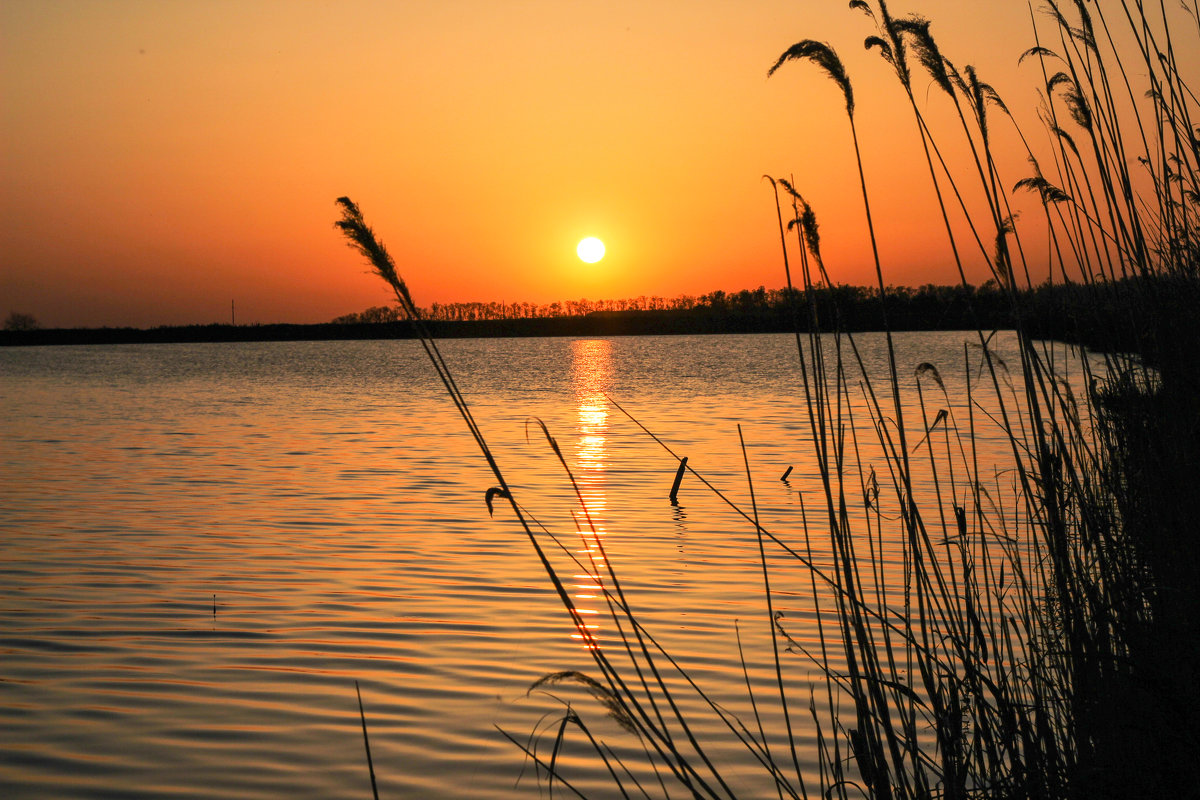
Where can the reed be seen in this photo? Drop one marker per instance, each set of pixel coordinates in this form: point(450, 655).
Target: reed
point(362, 716)
point(1040, 642)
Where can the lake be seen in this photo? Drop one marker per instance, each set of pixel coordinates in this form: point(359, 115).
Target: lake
point(203, 547)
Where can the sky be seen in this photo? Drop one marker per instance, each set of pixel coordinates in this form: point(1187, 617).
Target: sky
point(162, 159)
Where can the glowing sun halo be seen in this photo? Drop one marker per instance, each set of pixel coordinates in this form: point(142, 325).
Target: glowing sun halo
point(590, 250)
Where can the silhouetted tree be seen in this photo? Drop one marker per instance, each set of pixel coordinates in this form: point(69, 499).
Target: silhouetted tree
point(20, 322)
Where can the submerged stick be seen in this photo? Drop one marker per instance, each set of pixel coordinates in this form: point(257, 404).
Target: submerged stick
point(678, 480)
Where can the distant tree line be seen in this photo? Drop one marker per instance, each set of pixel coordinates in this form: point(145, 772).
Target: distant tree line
point(1096, 315)
point(475, 311)
point(928, 307)
point(1090, 314)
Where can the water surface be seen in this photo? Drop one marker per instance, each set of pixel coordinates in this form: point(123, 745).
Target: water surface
point(204, 546)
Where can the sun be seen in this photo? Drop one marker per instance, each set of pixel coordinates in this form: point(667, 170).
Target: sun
point(590, 250)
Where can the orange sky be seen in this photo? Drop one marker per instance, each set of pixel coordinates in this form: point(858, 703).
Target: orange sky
point(162, 158)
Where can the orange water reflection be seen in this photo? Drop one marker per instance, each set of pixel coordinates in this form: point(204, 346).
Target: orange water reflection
point(591, 369)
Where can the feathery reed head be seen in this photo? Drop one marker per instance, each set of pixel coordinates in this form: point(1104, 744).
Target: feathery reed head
point(1039, 51)
point(807, 220)
point(916, 28)
point(1065, 137)
point(1049, 192)
point(824, 57)
point(608, 698)
point(1077, 105)
point(993, 97)
point(863, 6)
point(893, 37)
point(362, 239)
point(885, 49)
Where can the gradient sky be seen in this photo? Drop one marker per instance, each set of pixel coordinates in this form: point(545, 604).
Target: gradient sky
point(161, 158)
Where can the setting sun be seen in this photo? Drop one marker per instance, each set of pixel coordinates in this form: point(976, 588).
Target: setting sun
point(590, 250)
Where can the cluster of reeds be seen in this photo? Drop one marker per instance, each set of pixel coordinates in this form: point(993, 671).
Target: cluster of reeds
point(1040, 641)
point(1039, 651)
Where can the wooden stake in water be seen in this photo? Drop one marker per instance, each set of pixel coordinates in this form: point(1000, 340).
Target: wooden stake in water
point(678, 480)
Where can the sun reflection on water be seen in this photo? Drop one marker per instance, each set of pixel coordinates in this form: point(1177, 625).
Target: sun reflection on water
point(591, 367)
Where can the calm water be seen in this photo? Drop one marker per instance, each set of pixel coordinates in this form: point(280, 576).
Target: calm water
point(203, 547)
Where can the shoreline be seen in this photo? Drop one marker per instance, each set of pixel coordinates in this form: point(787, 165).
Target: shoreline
point(1092, 315)
point(284, 332)
point(646, 323)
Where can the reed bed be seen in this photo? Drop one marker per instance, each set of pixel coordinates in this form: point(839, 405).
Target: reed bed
point(1041, 641)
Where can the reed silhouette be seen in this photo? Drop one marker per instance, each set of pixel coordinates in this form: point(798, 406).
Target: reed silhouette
point(1040, 641)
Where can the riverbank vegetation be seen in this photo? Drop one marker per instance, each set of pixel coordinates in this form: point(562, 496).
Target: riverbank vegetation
point(1046, 658)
